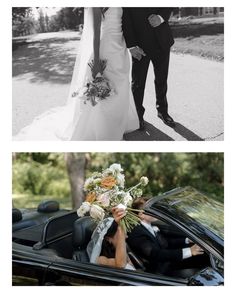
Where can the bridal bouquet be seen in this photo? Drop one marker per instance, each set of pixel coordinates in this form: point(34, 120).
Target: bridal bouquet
point(106, 190)
point(96, 89)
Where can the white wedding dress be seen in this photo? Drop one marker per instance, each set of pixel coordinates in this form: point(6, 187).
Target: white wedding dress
point(109, 119)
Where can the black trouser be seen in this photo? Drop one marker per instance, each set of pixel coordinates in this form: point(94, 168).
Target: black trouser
point(139, 76)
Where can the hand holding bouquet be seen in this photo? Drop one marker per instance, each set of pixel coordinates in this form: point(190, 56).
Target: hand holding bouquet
point(97, 67)
point(97, 89)
point(106, 190)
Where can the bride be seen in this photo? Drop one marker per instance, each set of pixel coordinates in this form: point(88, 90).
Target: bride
point(110, 118)
point(107, 245)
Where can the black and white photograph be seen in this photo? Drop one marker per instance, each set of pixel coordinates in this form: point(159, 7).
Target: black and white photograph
point(118, 73)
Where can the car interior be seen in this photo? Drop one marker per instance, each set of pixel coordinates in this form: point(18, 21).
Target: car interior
point(63, 234)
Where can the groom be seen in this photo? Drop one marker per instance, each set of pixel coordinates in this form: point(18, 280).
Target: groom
point(149, 38)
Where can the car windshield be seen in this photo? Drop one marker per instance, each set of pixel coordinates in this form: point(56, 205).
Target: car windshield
point(202, 209)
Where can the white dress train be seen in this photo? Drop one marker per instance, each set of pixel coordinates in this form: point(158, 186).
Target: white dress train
point(109, 119)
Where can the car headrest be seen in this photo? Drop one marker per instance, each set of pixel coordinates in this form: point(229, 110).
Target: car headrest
point(83, 229)
point(16, 215)
point(48, 206)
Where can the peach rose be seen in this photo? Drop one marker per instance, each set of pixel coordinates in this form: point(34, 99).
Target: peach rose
point(108, 182)
point(91, 197)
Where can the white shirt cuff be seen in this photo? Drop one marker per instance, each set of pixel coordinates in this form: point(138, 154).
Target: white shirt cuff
point(186, 253)
point(162, 20)
point(187, 241)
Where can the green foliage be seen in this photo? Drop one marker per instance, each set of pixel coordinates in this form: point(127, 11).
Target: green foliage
point(44, 174)
point(40, 174)
point(166, 171)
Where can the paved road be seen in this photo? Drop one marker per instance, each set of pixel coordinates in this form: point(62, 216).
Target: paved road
point(41, 77)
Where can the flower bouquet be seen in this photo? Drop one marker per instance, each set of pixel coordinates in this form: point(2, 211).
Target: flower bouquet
point(106, 190)
point(96, 89)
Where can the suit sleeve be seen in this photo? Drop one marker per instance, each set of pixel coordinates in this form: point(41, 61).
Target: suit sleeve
point(127, 28)
point(141, 243)
point(176, 243)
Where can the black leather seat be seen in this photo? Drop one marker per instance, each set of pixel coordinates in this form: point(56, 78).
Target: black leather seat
point(82, 232)
point(16, 215)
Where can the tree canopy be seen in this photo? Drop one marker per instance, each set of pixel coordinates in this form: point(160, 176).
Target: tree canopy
point(66, 18)
point(59, 175)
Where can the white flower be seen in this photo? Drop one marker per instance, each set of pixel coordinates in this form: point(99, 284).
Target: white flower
point(120, 178)
point(115, 168)
point(83, 209)
point(97, 212)
point(144, 180)
point(104, 199)
point(97, 181)
point(127, 199)
point(88, 182)
point(121, 206)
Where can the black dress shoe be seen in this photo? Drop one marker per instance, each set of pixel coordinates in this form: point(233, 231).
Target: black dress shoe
point(167, 119)
point(141, 125)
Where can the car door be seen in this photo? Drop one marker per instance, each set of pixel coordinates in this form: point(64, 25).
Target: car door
point(88, 274)
point(29, 268)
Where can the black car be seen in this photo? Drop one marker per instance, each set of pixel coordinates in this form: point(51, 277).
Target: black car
point(49, 244)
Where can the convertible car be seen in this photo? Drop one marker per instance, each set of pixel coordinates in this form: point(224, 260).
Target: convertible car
point(49, 244)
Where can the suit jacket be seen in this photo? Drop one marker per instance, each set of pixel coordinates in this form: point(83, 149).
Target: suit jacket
point(138, 32)
point(159, 256)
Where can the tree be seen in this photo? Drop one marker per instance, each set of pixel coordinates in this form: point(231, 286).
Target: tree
point(47, 23)
point(41, 21)
point(23, 22)
point(18, 12)
point(68, 18)
point(76, 166)
point(61, 176)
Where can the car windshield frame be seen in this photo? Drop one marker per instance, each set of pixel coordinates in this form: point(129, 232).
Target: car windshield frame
point(207, 214)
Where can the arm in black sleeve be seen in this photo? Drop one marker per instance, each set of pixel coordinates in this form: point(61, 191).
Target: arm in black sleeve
point(165, 255)
point(175, 243)
point(149, 250)
point(127, 28)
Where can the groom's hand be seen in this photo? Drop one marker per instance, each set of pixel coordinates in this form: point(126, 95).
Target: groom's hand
point(137, 52)
point(155, 20)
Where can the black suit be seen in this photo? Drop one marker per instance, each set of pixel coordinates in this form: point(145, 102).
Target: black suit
point(159, 255)
point(156, 43)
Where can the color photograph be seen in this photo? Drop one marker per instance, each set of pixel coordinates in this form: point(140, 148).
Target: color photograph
point(118, 219)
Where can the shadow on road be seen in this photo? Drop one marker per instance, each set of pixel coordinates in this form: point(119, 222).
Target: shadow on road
point(186, 133)
point(150, 133)
point(46, 60)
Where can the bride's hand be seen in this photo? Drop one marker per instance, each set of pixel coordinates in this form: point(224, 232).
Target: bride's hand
point(96, 68)
point(118, 214)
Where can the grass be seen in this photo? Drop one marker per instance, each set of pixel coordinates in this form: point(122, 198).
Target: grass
point(210, 47)
point(202, 37)
point(32, 201)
